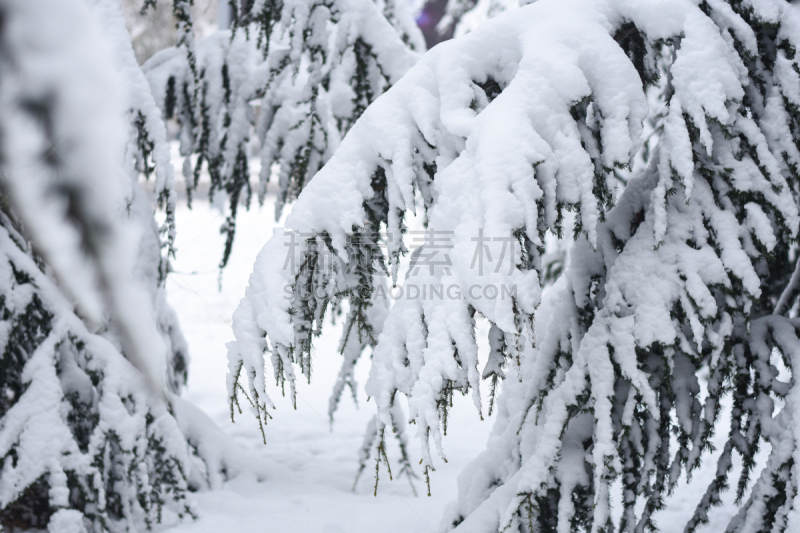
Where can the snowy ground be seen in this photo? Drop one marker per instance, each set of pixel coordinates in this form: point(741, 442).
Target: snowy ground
point(303, 477)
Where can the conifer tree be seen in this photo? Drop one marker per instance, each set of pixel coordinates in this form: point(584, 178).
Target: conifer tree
point(147, 153)
point(91, 436)
point(462, 16)
point(691, 271)
point(298, 73)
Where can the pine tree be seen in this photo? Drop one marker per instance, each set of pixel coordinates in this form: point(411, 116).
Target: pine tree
point(463, 16)
point(91, 438)
point(81, 439)
point(689, 271)
point(147, 153)
point(298, 72)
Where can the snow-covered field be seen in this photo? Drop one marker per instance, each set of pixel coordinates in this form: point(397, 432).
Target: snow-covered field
point(308, 466)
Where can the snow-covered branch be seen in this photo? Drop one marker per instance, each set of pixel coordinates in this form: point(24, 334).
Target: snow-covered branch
point(499, 133)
